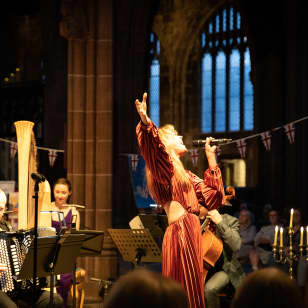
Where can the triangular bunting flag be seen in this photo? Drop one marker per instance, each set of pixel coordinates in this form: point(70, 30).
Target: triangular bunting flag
point(290, 131)
point(266, 139)
point(218, 150)
point(194, 154)
point(13, 149)
point(241, 146)
point(134, 161)
point(52, 154)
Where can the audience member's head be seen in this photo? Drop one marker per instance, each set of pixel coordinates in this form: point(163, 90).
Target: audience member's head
point(245, 218)
point(273, 217)
point(142, 288)
point(297, 217)
point(269, 287)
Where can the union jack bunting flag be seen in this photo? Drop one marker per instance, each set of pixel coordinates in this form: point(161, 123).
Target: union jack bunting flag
point(290, 131)
point(266, 139)
point(241, 146)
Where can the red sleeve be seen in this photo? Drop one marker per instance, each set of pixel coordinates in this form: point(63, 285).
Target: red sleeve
point(154, 152)
point(210, 191)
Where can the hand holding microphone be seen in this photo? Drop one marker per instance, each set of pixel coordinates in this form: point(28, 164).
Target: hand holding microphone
point(202, 142)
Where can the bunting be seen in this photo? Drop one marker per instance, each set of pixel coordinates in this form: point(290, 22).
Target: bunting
point(134, 161)
point(194, 154)
point(52, 155)
point(241, 146)
point(13, 150)
point(290, 132)
point(266, 139)
point(218, 151)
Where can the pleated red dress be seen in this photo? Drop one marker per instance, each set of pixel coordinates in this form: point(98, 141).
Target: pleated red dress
point(182, 258)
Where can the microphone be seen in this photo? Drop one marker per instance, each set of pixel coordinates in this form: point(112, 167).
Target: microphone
point(201, 142)
point(38, 177)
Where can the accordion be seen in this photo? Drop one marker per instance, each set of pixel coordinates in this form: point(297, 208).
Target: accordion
point(13, 249)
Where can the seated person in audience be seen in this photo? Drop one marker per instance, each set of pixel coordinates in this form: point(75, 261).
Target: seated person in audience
point(264, 219)
point(23, 296)
point(267, 287)
point(261, 254)
point(142, 288)
point(247, 233)
point(227, 268)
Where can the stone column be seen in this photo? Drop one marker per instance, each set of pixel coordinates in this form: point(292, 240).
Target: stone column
point(89, 119)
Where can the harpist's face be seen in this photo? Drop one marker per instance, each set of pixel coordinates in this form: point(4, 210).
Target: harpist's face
point(61, 194)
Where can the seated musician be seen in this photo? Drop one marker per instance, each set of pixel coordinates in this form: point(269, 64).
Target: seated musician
point(62, 192)
point(22, 297)
point(227, 268)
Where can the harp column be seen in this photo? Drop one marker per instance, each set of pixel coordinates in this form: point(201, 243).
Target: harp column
point(89, 119)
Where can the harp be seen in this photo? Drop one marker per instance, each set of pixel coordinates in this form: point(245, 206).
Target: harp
point(27, 164)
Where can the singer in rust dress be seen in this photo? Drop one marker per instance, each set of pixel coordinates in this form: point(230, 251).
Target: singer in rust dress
point(179, 192)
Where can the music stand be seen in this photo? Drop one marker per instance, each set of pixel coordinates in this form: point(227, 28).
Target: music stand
point(157, 225)
point(91, 247)
point(93, 242)
point(136, 245)
point(49, 250)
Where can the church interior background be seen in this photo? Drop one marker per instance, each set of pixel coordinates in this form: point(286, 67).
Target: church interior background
point(222, 68)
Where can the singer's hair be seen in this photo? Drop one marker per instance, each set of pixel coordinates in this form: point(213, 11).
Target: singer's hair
point(166, 134)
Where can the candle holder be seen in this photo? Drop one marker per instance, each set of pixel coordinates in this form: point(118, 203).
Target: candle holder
point(288, 254)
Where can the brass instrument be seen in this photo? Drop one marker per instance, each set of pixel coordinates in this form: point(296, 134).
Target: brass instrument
point(27, 164)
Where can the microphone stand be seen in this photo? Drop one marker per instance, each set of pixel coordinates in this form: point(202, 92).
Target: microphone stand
point(36, 190)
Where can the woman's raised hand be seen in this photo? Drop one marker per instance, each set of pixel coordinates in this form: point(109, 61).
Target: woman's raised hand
point(142, 109)
point(210, 152)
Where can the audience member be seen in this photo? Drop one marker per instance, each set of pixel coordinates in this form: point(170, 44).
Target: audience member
point(142, 288)
point(261, 254)
point(247, 233)
point(268, 287)
point(264, 219)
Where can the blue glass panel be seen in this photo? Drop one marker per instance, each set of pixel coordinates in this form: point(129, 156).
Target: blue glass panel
point(234, 115)
point(238, 20)
point(154, 91)
point(152, 37)
point(210, 28)
point(158, 48)
point(217, 24)
point(231, 18)
point(220, 111)
point(206, 94)
point(248, 94)
point(224, 20)
point(203, 39)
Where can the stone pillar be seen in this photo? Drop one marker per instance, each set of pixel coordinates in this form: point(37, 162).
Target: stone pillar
point(89, 120)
